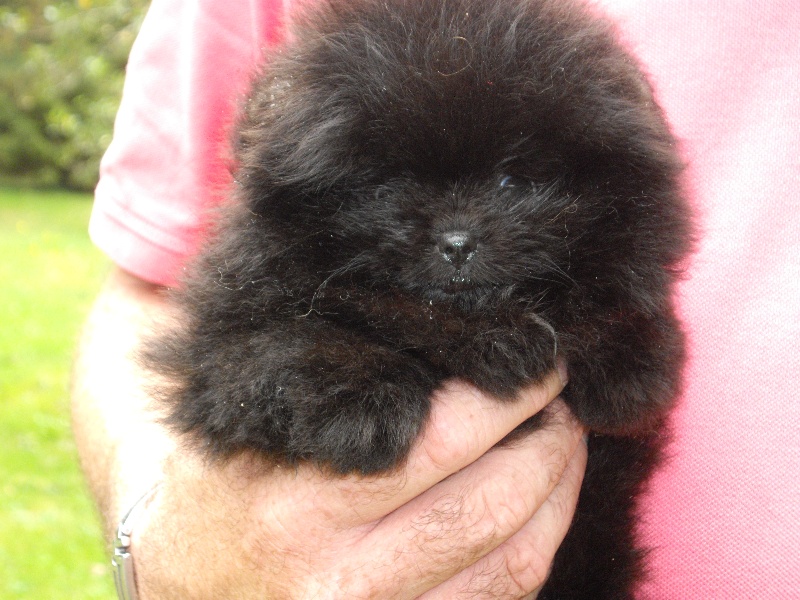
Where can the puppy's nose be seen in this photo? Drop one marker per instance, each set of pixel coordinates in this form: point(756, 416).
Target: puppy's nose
point(457, 247)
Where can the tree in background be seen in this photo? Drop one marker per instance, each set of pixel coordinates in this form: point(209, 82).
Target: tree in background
point(61, 70)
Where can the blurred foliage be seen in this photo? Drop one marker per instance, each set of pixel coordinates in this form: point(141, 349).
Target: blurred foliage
point(61, 70)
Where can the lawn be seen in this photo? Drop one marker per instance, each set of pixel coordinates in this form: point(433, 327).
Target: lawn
point(50, 541)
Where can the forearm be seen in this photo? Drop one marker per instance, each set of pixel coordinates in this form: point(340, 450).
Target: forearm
point(120, 443)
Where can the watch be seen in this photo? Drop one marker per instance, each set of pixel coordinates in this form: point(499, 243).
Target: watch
point(122, 559)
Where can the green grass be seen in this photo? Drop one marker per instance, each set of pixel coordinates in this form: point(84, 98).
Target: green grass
point(50, 541)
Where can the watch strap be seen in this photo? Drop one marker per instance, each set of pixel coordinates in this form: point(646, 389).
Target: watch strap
point(122, 560)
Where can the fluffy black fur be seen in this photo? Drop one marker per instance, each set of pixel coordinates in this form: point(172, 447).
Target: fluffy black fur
point(432, 190)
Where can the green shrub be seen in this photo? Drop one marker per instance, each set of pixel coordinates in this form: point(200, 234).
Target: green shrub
point(61, 71)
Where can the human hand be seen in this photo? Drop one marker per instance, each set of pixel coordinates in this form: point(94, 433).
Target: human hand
point(461, 516)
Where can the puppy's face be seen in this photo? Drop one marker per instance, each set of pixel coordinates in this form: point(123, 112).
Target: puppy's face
point(465, 241)
point(459, 168)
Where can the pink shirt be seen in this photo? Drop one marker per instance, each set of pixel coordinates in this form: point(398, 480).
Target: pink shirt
point(723, 516)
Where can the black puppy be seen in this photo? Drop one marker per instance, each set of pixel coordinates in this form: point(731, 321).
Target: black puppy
point(443, 189)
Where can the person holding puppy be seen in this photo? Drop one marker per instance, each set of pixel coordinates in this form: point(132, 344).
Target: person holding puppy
point(458, 519)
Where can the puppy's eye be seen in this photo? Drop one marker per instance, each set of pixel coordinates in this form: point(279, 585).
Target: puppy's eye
point(513, 182)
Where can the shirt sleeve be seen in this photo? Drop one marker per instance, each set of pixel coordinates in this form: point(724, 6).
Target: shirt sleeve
point(166, 167)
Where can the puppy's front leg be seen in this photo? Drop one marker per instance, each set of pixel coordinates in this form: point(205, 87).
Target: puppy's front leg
point(358, 406)
point(307, 390)
point(625, 373)
point(501, 356)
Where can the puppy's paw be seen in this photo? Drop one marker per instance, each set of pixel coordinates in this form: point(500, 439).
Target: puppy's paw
point(503, 359)
point(357, 408)
point(629, 378)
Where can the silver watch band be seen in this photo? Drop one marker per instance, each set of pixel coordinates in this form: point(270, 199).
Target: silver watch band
point(122, 560)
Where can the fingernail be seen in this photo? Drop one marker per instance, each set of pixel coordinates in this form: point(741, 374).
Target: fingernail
point(561, 366)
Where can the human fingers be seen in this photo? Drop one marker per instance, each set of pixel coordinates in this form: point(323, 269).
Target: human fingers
point(250, 510)
point(467, 516)
point(464, 424)
point(519, 567)
point(275, 523)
